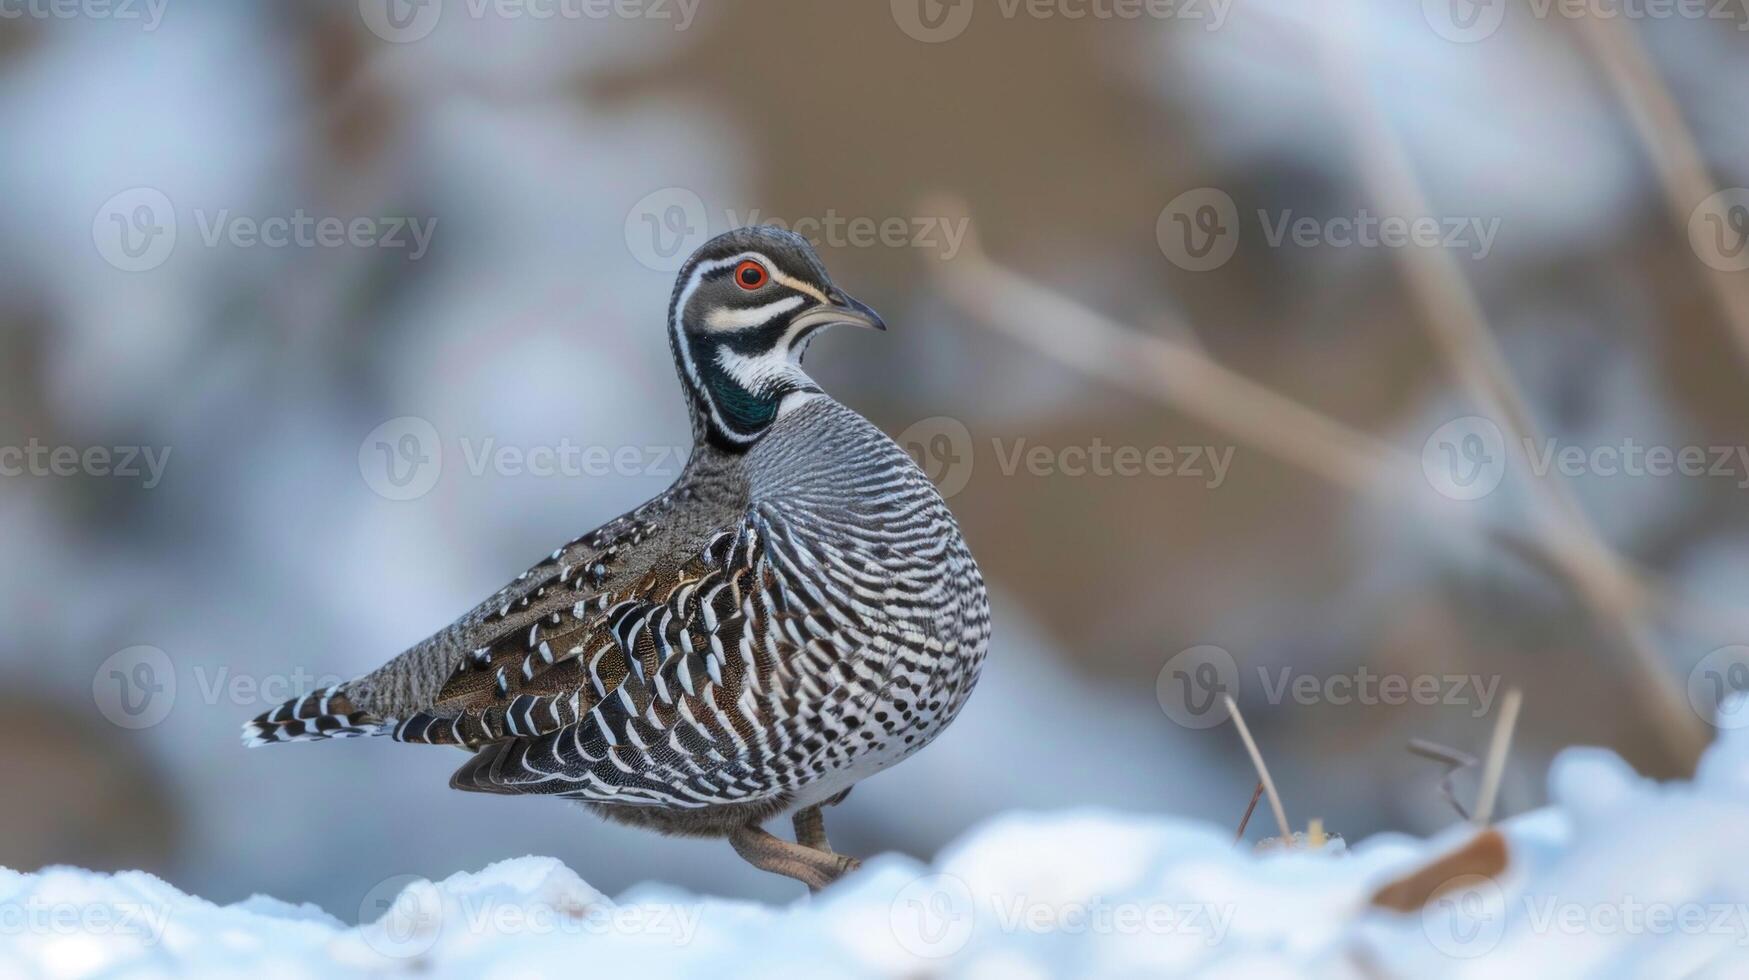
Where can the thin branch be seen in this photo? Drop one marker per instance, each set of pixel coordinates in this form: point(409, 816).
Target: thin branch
point(1287, 833)
point(1454, 316)
point(1181, 374)
point(1498, 747)
point(1675, 153)
point(1245, 821)
point(1617, 591)
point(1454, 762)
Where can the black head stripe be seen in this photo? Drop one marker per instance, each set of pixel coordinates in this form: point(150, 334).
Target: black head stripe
point(725, 410)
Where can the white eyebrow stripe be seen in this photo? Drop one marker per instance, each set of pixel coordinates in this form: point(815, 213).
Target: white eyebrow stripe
point(678, 311)
point(753, 316)
point(777, 275)
point(706, 268)
point(798, 285)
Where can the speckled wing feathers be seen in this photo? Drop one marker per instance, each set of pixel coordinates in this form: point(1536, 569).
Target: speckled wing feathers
point(775, 627)
point(674, 693)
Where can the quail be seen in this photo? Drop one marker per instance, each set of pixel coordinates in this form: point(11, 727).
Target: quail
point(798, 612)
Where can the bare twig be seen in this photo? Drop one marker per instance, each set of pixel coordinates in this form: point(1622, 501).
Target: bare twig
point(1454, 316)
point(1287, 833)
point(1185, 378)
point(1245, 821)
point(1454, 762)
point(1498, 747)
point(1682, 169)
point(1181, 374)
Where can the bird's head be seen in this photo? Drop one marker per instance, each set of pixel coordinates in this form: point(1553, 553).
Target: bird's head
point(745, 306)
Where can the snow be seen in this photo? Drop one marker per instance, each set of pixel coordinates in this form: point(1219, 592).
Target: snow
point(1619, 876)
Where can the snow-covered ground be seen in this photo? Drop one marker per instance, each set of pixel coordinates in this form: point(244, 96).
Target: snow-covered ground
point(1620, 876)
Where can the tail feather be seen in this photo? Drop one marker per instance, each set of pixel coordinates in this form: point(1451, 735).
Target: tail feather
point(318, 715)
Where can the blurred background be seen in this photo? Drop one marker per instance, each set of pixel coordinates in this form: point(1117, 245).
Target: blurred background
point(1268, 348)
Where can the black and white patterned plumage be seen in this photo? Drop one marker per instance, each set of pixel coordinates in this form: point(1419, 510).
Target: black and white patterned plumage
point(797, 612)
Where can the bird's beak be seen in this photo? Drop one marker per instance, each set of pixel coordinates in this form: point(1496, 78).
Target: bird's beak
point(842, 310)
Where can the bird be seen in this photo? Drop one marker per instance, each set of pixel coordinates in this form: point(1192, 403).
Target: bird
point(797, 612)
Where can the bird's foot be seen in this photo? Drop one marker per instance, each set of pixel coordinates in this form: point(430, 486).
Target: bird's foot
point(811, 866)
point(811, 829)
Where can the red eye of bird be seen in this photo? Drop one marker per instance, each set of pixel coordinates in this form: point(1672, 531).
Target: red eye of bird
point(750, 275)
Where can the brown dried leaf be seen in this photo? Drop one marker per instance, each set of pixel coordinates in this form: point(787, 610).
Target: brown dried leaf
point(1484, 855)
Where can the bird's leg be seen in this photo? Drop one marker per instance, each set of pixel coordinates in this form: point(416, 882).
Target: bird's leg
point(811, 829)
point(811, 867)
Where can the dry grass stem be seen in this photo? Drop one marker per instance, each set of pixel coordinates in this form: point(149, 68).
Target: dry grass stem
point(1454, 762)
point(1287, 833)
point(1182, 376)
point(1454, 316)
point(1682, 169)
point(1152, 367)
point(1498, 747)
point(1250, 808)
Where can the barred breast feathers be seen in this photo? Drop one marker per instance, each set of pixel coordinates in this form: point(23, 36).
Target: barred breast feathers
point(772, 620)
